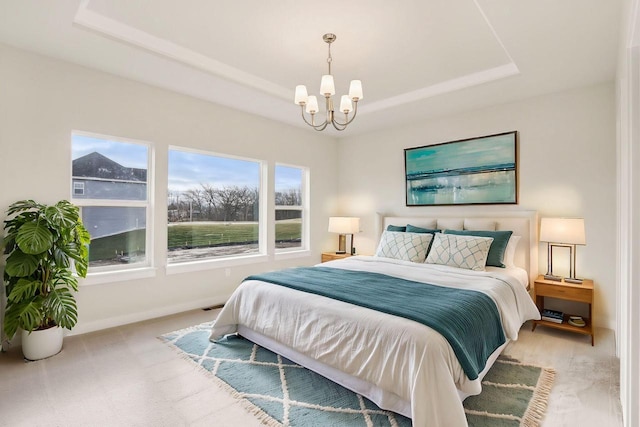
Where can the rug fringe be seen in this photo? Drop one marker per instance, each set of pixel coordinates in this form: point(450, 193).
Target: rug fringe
point(256, 411)
point(538, 405)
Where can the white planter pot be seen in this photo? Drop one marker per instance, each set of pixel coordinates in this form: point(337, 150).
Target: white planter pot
point(41, 344)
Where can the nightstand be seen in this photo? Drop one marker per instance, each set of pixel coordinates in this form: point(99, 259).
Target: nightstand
point(569, 292)
point(330, 256)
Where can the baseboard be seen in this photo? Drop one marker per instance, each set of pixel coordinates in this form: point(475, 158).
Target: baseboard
point(112, 322)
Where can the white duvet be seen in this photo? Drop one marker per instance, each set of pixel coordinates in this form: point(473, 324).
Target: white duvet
point(402, 357)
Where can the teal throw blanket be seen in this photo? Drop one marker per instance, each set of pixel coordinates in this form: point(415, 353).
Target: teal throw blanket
point(468, 319)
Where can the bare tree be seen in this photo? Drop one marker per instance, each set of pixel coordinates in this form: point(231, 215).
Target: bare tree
point(232, 203)
point(195, 198)
point(289, 197)
point(228, 199)
point(209, 195)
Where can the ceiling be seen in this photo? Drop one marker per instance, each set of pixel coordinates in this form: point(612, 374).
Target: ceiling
point(416, 58)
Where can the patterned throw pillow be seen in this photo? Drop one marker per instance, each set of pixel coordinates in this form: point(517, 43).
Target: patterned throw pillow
point(405, 246)
point(498, 247)
point(468, 252)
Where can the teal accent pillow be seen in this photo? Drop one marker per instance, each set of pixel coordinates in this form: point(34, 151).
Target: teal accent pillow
point(414, 229)
point(498, 247)
point(396, 228)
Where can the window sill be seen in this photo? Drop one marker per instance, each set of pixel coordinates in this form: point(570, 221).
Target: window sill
point(210, 264)
point(117, 276)
point(291, 254)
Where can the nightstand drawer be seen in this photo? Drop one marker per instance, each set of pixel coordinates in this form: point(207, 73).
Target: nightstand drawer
point(330, 256)
point(564, 292)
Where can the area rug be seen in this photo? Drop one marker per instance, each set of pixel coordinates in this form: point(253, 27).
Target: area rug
point(281, 393)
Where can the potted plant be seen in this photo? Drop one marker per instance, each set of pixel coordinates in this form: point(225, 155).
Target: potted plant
point(47, 247)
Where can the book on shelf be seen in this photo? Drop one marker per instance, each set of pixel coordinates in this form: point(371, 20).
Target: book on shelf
point(552, 315)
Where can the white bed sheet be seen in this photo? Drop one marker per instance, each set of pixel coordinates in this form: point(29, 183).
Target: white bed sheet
point(400, 356)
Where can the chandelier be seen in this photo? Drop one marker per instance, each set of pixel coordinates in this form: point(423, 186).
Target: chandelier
point(327, 88)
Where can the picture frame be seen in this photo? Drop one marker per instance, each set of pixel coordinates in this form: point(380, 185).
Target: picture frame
point(473, 171)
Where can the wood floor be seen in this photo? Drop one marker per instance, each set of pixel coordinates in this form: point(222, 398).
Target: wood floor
point(126, 377)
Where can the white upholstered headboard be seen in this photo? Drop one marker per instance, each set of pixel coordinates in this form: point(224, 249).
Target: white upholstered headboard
point(522, 223)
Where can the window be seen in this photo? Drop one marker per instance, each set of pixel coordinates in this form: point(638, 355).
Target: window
point(213, 206)
point(290, 182)
point(110, 183)
point(78, 188)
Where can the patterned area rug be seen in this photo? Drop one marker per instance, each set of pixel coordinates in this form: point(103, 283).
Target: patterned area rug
point(282, 393)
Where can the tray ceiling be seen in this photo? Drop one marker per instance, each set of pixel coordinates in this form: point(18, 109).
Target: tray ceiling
point(416, 59)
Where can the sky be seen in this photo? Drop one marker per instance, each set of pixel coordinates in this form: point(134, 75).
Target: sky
point(127, 154)
point(188, 169)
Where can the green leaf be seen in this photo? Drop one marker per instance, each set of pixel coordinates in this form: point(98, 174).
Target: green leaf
point(83, 235)
point(23, 205)
point(82, 263)
point(26, 315)
point(61, 258)
point(34, 238)
point(20, 264)
point(61, 307)
point(24, 289)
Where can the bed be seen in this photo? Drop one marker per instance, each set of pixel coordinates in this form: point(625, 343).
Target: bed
point(397, 362)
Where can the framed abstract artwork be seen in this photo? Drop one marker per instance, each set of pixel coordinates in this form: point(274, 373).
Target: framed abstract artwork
point(472, 171)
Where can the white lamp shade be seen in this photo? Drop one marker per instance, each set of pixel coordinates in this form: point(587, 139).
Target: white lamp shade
point(312, 104)
point(301, 94)
point(563, 230)
point(345, 104)
point(326, 85)
point(355, 90)
point(344, 225)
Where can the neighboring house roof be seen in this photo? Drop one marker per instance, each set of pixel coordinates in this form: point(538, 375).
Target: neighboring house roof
point(95, 165)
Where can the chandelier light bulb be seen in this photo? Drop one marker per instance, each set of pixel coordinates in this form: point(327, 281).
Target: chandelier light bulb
point(301, 95)
point(326, 85)
point(345, 104)
point(312, 104)
point(355, 90)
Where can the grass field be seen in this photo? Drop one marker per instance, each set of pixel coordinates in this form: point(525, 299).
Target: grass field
point(191, 235)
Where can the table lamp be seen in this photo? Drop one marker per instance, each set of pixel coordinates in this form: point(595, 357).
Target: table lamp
point(562, 232)
point(344, 225)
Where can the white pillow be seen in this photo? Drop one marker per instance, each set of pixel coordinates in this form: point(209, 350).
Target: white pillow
point(468, 252)
point(405, 246)
point(510, 251)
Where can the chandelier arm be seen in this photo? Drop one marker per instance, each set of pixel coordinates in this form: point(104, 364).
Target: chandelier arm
point(316, 127)
point(340, 127)
point(321, 128)
point(348, 121)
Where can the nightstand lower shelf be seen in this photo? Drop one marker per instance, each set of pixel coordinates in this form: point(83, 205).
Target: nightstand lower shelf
point(564, 326)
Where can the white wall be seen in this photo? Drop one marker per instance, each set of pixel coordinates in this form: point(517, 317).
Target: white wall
point(567, 161)
point(42, 100)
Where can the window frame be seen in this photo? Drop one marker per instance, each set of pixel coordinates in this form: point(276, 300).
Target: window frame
point(230, 260)
point(122, 272)
point(304, 249)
